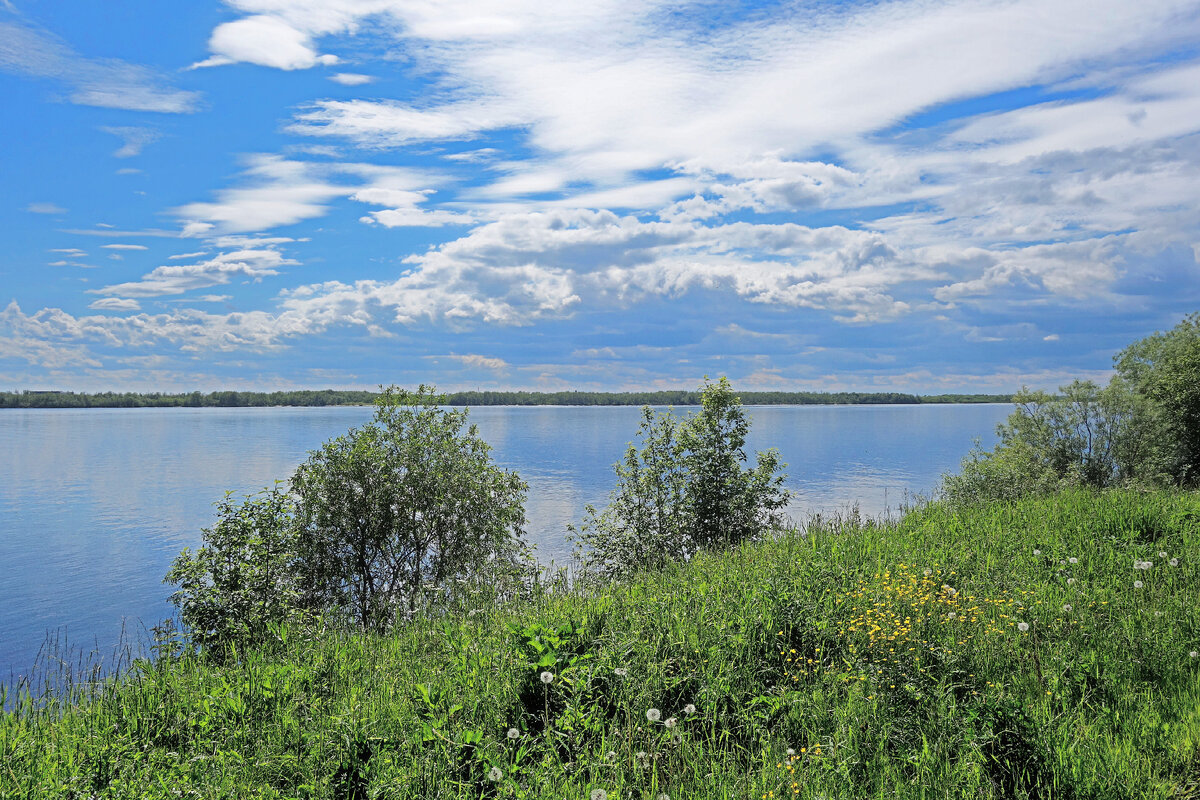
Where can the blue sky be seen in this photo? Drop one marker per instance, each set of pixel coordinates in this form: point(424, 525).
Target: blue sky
point(911, 196)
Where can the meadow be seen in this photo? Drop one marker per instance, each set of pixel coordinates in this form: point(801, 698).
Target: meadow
point(1043, 648)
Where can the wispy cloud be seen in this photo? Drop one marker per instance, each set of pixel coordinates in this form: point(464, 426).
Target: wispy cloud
point(45, 208)
point(108, 83)
point(134, 139)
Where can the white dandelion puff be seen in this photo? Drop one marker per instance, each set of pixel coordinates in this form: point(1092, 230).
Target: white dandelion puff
point(928, 572)
point(671, 722)
point(1037, 552)
point(952, 615)
point(791, 752)
point(621, 672)
point(1162, 553)
point(1193, 654)
point(513, 733)
point(547, 677)
point(653, 714)
point(1070, 581)
point(1138, 584)
point(689, 709)
point(1022, 626)
point(1072, 560)
point(1174, 562)
point(495, 774)
point(599, 794)
point(1067, 607)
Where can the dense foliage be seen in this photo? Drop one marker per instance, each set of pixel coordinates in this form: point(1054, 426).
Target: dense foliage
point(684, 490)
point(330, 397)
point(1143, 428)
point(400, 512)
point(1040, 649)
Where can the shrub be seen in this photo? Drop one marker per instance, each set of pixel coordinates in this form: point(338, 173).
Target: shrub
point(404, 506)
point(400, 511)
point(244, 578)
point(683, 490)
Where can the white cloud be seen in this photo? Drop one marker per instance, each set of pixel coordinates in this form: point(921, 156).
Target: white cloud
point(220, 269)
point(115, 304)
point(477, 361)
point(351, 79)
point(108, 83)
point(265, 40)
point(124, 247)
point(45, 208)
point(134, 139)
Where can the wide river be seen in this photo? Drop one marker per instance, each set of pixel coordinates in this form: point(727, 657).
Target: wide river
point(95, 504)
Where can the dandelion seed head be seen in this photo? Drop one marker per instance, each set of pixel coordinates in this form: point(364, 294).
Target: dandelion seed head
point(1067, 607)
point(671, 722)
point(1022, 626)
point(1174, 562)
point(1193, 654)
point(952, 615)
point(1162, 553)
point(1072, 560)
point(612, 755)
point(599, 794)
point(495, 774)
point(1037, 552)
point(928, 572)
point(791, 752)
point(689, 709)
point(621, 672)
point(653, 714)
point(1138, 584)
point(513, 733)
point(547, 677)
point(1070, 581)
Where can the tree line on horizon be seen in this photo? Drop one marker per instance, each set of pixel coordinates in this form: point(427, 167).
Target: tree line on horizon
point(352, 397)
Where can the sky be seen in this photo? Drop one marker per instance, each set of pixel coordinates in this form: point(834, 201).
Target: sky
point(914, 196)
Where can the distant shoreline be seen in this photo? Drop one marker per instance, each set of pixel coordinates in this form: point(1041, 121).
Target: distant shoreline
point(336, 397)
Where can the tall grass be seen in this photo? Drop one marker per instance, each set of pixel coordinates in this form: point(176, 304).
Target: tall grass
point(951, 653)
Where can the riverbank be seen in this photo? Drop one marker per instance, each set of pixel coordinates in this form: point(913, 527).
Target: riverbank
point(1036, 649)
point(339, 397)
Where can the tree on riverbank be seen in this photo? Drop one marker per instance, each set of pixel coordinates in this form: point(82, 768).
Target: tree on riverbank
point(374, 523)
point(686, 489)
point(1143, 428)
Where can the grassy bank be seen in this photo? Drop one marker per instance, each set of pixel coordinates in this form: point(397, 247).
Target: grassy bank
point(858, 661)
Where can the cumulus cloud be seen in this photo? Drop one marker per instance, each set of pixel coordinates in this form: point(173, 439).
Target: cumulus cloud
point(266, 40)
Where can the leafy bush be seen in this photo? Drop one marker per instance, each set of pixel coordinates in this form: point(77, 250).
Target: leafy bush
point(1141, 429)
point(402, 506)
point(684, 490)
point(245, 576)
point(407, 509)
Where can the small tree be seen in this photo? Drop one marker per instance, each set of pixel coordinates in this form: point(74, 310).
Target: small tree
point(244, 577)
point(1164, 370)
point(684, 489)
point(410, 500)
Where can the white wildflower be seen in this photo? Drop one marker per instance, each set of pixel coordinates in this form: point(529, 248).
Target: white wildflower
point(1162, 553)
point(671, 722)
point(547, 677)
point(1022, 626)
point(689, 709)
point(1138, 584)
point(653, 714)
point(513, 733)
point(1174, 562)
point(928, 572)
point(495, 774)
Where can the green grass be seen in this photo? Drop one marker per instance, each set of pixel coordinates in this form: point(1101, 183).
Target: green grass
point(819, 665)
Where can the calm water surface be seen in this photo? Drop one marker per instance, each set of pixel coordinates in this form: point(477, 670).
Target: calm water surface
point(95, 504)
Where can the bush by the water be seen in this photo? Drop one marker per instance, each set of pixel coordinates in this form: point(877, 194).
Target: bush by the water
point(1142, 429)
point(406, 509)
point(1037, 649)
point(686, 489)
